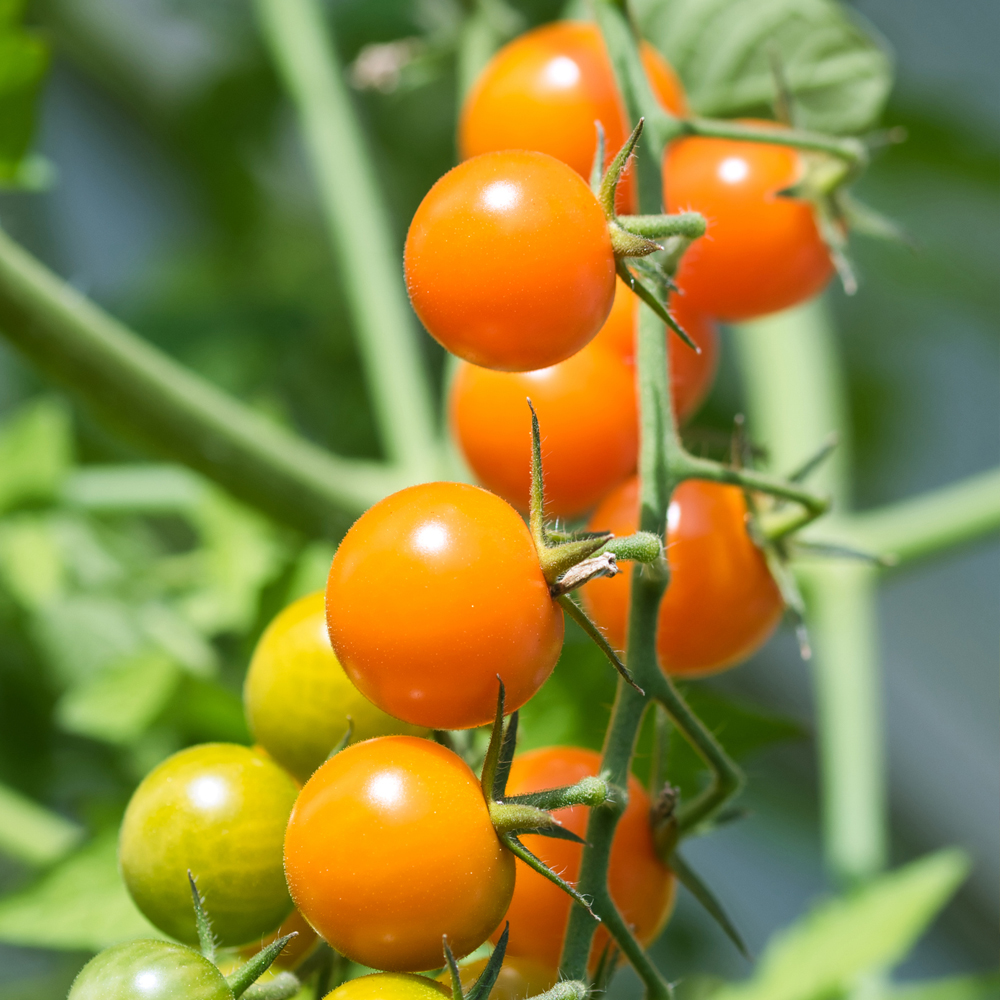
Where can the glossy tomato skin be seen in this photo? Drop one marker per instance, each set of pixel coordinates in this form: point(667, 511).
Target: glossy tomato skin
point(691, 373)
point(149, 970)
point(641, 886)
point(519, 978)
point(389, 847)
point(544, 91)
point(589, 425)
point(219, 810)
point(761, 252)
point(389, 986)
point(722, 603)
point(509, 263)
point(298, 698)
point(434, 592)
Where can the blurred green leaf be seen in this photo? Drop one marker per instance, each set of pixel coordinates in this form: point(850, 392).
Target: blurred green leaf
point(206, 712)
point(31, 833)
point(24, 61)
point(869, 930)
point(82, 904)
point(838, 71)
point(740, 728)
point(698, 987)
point(35, 443)
point(31, 563)
point(965, 988)
point(118, 704)
point(81, 634)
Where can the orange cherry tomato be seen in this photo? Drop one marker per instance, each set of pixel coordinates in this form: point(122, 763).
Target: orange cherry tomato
point(544, 91)
point(509, 262)
point(691, 373)
point(435, 591)
point(641, 886)
point(519, 978)
point(722, 603)
point(762, 251)
point(389, 847)
point(589, 428)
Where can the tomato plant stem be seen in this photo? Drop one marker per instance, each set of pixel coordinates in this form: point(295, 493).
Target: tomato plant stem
point(164, 406)
point(359, 231)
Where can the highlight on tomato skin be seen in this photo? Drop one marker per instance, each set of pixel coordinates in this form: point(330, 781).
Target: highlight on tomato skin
point(508, 261)
point(545, 89)
point(589, 424)
point(722, 603)
point(390, 846)
point(434, 592)
point(763, 251)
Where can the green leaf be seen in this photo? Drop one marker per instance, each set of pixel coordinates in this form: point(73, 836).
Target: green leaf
point(81, 905)
point(965, 988)
point(119, 703)
point(24, 61)
point(839, 71)
point(869, 930)
point(36, 444)
point(31, 833)
point(740, 728)
point(698, 987)
point(31, 562)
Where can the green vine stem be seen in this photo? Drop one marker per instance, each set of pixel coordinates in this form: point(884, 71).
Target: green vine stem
point(359, 230)
point(152, 399)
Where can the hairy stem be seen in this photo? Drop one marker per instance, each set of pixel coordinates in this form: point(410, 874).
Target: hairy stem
point(164, 407)
point(367, 258)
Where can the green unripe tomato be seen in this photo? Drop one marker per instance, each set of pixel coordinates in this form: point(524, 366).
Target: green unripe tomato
point(298, 698)
point(149, 970)
point(389, 986)
point(219, 810)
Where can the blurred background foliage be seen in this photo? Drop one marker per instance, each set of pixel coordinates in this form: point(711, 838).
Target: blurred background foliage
point(171, 187)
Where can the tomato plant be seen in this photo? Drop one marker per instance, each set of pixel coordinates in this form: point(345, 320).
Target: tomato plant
point(295, 950)
point(456, 569)
point(150, 970)
point(544, 91)
point(763, 250)
point(297, 697)
point(722, 603)
point(219, 811)
point(640, 884)
point(480, 268)
point(389, 847)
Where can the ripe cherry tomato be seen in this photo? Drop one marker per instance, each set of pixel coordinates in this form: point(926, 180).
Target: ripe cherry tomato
point(589, 427)
point(691, 374)
point(762, 252)
point(509, 263)
point(389, 986)
point(545, 90)
point(640, 884)
point(434, 592)
point(519, 978)
point(298, 698)
point(149, 970)
point(219, 810)
point(721, 604)
point(390, 846)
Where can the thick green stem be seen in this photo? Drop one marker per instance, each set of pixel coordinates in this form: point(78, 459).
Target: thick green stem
point(159, 403)
point(843, 630)
point(367, 258)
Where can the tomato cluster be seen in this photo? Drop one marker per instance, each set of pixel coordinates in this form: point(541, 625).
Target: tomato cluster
point(438, 597)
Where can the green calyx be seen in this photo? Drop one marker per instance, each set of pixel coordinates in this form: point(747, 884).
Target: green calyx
point(243, 982)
